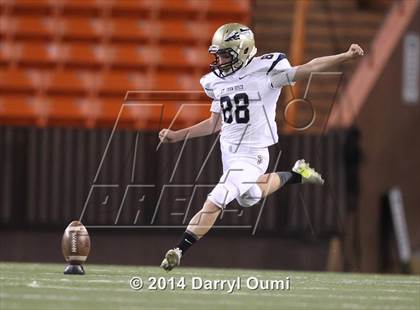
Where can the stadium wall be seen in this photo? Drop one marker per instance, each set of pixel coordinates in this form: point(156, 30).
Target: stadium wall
point(390, 141)
point(49, 175)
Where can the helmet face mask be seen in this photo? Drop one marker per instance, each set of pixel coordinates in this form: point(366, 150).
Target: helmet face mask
point(233, 47)
point(223, 69)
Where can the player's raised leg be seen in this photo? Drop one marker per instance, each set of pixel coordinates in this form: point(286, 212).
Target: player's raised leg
point(199, 225)
point(300, 173)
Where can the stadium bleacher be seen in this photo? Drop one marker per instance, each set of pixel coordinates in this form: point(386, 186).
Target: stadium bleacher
point(60, 53)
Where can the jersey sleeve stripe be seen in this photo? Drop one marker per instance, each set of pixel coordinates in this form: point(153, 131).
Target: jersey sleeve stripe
point(275, 62)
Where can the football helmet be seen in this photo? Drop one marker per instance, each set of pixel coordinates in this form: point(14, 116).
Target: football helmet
point(235, 41)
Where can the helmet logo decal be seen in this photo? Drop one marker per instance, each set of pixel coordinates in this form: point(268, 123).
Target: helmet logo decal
point(234, 35)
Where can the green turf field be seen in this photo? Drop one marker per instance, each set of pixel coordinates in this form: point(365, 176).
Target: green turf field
point(43, 286)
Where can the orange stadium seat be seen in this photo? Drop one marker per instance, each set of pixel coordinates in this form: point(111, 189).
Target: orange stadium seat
point(143, 115)
point(31, 6)
point(175, 81)
point(64, 82)
point(79, 28)
point(25, 27)
point(176, 31)
point(190, 113)
point(235, 9)
point(129, 29)
point(80, 111)
point(29, 27)
point(15, 81)
point(172, 57)
point(57, 52)
point(82, 7)
point(108, 111)
point(34, 55)
point(5, 59)
point(165, 31)
point(129, 7)
point(62, 110)
point(199, 58)
point(8, 53)
point(187, 8)
point(215, 9)
point(114, 83)
point(82, 55)
point(164, 57)
point(187, 57)
point(179, 114)
point(7, 25)
point(141, 55)
point(150, 114)
point(104, 53)
point(138, 114)
point(151, 54)
point(167, 113)
point(16, 110)
point(31, 54)
point(130, 56)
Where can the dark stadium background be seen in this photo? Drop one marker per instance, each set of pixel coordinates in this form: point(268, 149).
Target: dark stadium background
point(65, 68)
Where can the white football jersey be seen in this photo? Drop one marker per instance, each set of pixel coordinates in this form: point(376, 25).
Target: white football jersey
point(247, 100)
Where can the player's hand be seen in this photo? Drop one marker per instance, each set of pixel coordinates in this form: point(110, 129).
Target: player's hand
point(355, 51)
point(167, 136)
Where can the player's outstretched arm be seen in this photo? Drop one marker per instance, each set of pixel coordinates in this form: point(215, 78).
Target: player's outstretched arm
point(204, 128)
point(327, 62)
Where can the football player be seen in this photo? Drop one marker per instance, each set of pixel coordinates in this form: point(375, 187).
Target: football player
point(244, 89)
